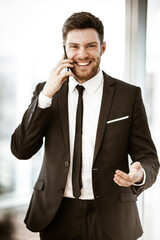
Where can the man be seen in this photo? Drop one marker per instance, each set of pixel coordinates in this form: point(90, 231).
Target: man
point(85, 189)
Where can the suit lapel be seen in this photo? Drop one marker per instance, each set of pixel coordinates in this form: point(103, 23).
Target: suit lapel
point(63, 104)
point(107, 97)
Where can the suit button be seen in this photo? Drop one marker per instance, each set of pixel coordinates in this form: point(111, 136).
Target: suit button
point(66, 163)
point(98, 197)
point(60, 190)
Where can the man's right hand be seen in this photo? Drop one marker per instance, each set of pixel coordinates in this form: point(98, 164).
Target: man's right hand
point(57, 77)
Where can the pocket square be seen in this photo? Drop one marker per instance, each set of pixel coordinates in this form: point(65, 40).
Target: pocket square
point(117, 119)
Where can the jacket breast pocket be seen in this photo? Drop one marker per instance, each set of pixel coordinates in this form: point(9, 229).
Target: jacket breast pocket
point(39, 185)
point(119, 121)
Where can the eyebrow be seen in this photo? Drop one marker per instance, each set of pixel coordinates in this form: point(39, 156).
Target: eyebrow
point(70, 43)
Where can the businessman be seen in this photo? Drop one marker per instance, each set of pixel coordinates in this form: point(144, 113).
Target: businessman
point(89, 123)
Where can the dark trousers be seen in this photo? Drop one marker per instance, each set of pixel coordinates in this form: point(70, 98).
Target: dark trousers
point(75, 220)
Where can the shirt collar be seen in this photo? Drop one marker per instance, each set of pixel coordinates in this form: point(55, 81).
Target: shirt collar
point(90, 86)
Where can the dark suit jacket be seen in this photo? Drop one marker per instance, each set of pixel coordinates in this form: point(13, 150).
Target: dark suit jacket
point(116, 206)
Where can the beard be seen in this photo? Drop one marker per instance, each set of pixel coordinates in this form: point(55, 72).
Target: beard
point(85, 74)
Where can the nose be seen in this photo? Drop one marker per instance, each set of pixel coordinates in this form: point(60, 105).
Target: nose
point(82, 53)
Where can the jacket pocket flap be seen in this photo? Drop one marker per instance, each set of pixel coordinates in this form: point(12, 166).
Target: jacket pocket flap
point(128, 197)
point(39, 185)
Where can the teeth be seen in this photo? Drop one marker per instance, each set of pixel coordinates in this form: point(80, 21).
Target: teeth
point(83, 64)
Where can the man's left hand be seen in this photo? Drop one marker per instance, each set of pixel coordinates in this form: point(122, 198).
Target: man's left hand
point(135, 175)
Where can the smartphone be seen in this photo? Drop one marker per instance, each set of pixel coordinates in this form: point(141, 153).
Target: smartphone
point(65, 54)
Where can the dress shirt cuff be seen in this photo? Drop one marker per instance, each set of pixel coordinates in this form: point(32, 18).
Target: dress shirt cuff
point(44, 101)
point(144, 180)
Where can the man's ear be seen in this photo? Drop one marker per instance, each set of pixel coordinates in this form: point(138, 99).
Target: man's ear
point(103, 48)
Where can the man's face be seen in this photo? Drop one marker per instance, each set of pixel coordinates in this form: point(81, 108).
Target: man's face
point(84, 48)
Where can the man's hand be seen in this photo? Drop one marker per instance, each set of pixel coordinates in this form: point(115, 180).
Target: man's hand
point(135, 175)
point(57, 77)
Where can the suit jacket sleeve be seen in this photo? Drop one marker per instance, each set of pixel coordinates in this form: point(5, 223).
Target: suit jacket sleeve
point(141, 146)
point(28, 136)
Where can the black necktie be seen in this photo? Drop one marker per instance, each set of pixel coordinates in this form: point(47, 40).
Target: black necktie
point(77, 155)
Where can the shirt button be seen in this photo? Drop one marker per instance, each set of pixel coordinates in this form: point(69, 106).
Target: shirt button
point(66, 163)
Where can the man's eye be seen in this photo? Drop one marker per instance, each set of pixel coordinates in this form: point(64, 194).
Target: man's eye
point(74, 46)
point(91, 46)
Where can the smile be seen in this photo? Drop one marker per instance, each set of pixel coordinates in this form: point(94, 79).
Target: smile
point(83, 63)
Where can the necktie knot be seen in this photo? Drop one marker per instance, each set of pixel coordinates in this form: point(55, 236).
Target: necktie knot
point(80, 89)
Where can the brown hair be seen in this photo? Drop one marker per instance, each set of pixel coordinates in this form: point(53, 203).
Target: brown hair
point(82, 20)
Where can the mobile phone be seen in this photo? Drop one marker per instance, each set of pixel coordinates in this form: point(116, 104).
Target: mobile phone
point(65, 54)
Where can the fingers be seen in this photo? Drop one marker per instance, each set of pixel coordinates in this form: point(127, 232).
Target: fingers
point(64, 63)
point(65, 75)
point(123, 179)
point(57, 77)
point(135, 175)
